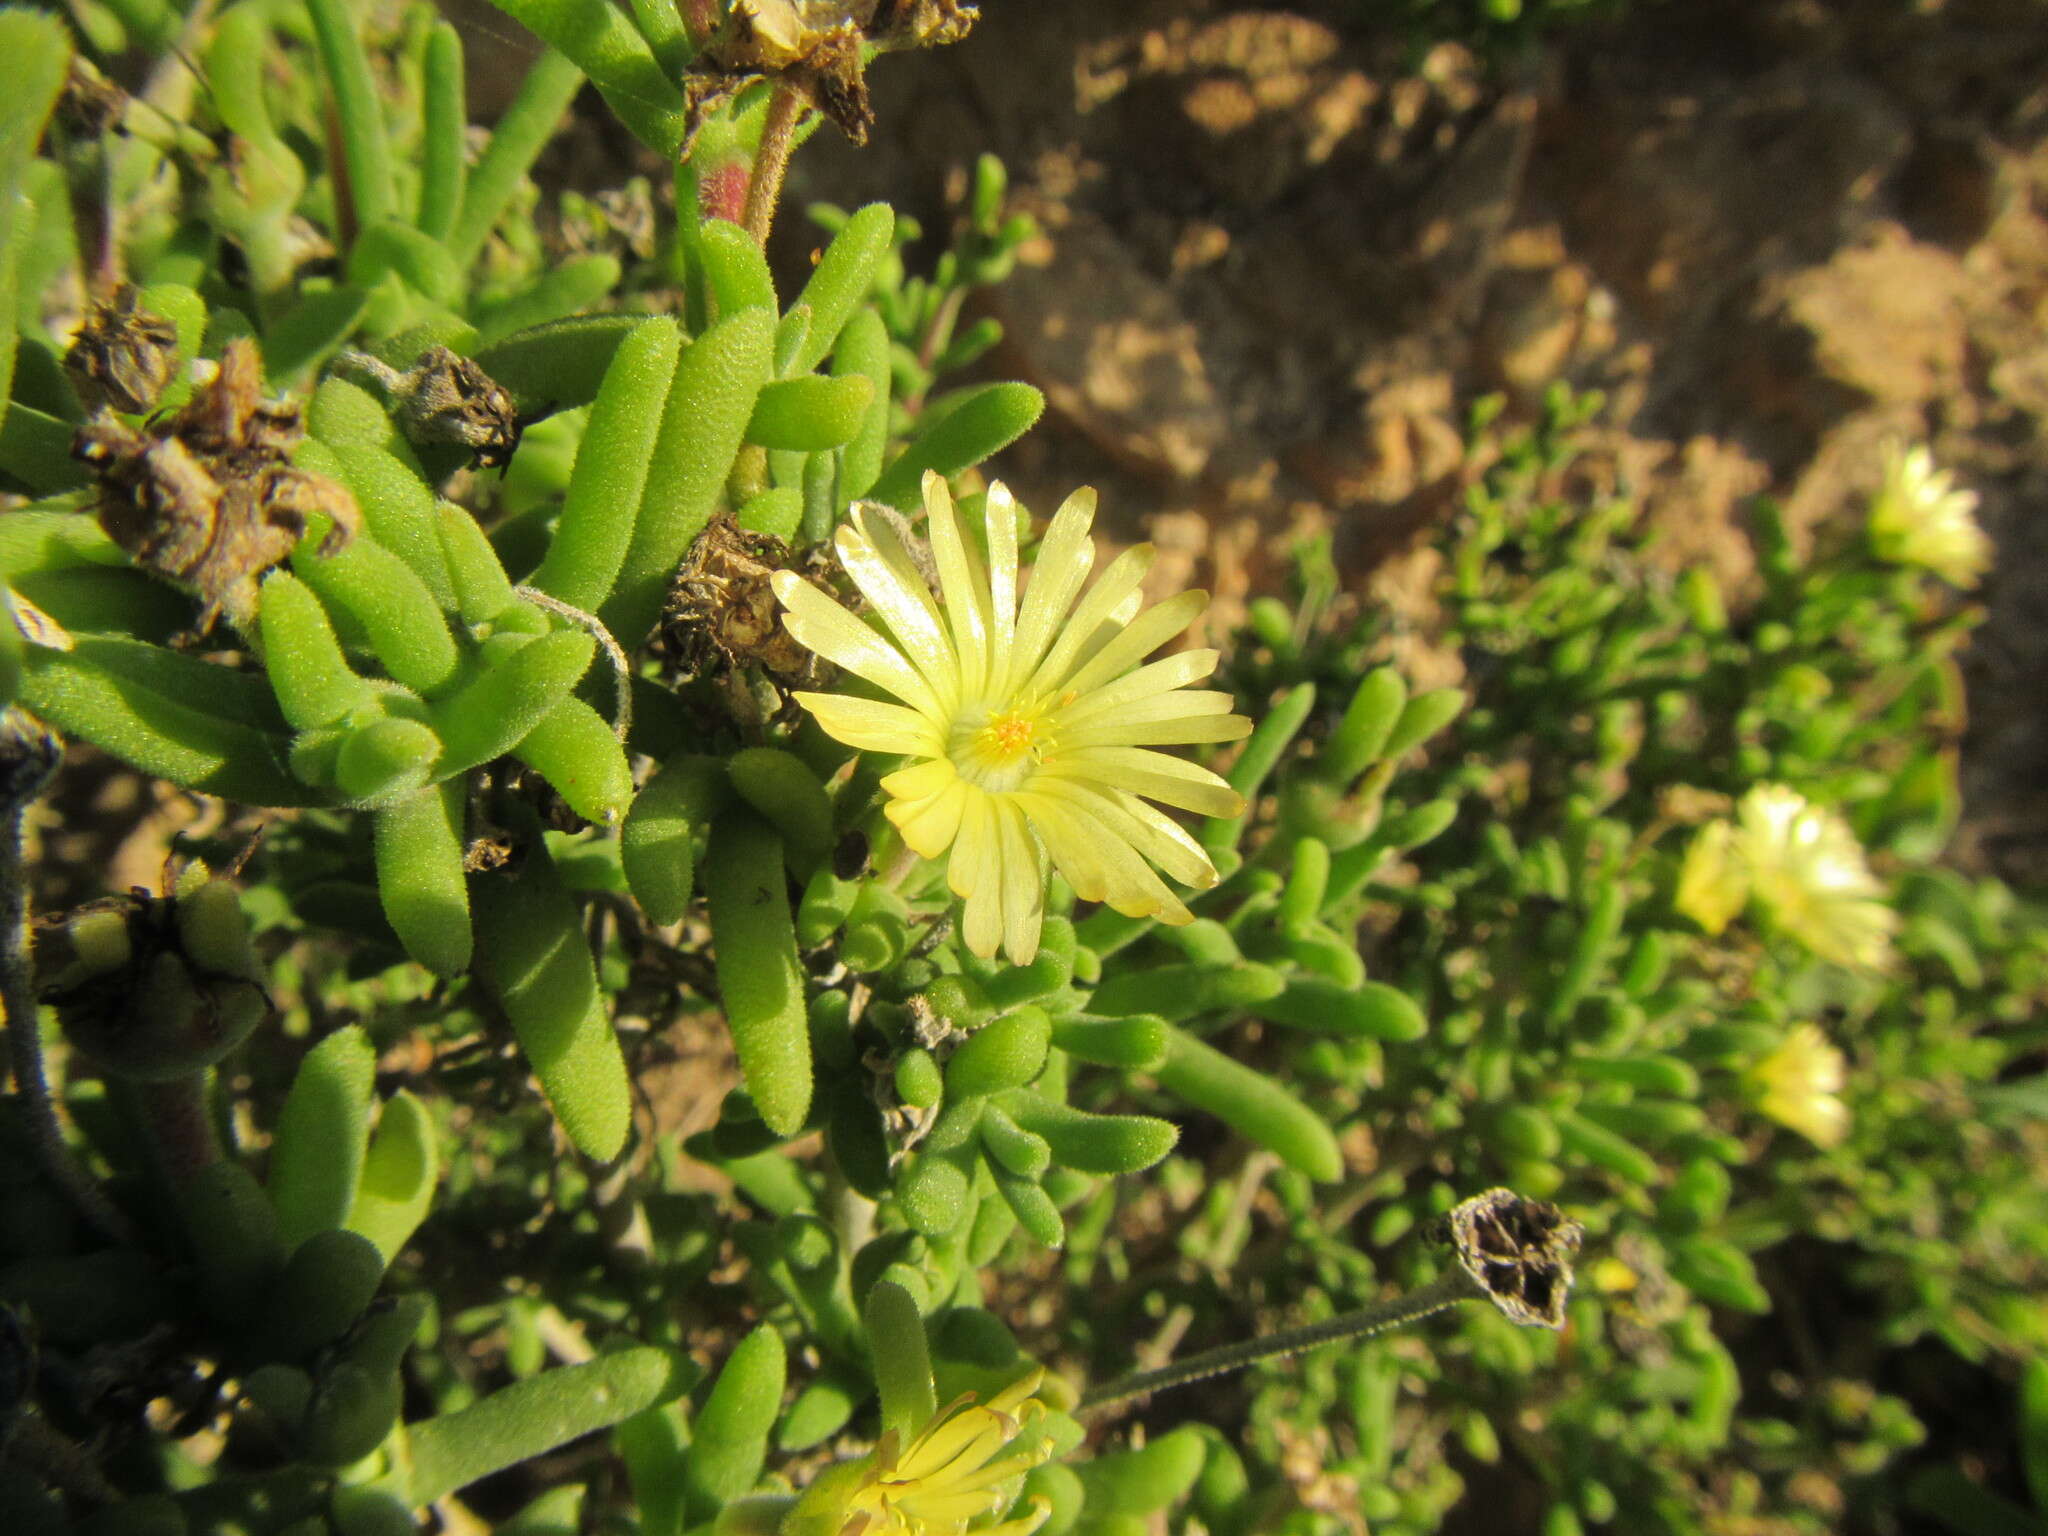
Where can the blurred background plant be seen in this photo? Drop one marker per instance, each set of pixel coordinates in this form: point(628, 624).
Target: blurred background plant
point(549, 1034)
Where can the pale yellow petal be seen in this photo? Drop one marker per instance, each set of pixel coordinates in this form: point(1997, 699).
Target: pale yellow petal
point(881, 568)
point(871, 725)
point(1144, 635)
point(1127, 882)
point(1000, 518)
point(1174, 729)
point(945, 1510)
point(1117, 583)
point(963, 585)
point(920, 779)
point(1149, 830)
point(1155, 775)
point(1169, 674)
point(1074, 854)
point(1023, 884)
point(821, 625)
point(1065, 556)
point(930, 825)
point(976, 874)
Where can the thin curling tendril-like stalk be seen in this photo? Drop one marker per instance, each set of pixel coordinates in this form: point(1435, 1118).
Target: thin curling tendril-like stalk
point(29, 755)
point(592, 625)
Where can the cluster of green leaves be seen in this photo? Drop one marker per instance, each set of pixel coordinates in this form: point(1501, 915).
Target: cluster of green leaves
point(1590, 1044)
point(549, 810)
point(424, 699)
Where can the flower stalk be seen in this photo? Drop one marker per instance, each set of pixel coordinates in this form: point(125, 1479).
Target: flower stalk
point(1512, 1252)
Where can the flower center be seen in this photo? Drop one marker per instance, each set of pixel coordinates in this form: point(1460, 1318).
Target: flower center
point(1000, 751)
point(1008, 736)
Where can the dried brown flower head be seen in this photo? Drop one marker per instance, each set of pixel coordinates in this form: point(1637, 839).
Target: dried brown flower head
point(820, 47)
point(1519, 1253)
point(721, 605)
point(123, 356)
point(210, 499)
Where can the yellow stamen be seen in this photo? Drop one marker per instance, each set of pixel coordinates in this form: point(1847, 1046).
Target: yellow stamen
point(1008, 736)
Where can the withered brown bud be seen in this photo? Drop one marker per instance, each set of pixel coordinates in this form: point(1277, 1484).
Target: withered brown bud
point(90, 103)
point(123, 356)
point(1518, 1252)
point(446, 398)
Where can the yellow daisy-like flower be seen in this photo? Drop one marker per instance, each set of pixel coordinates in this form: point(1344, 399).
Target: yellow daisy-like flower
point(1031, 720)
point(1799, 1084)
point(1809, 873)
point(1920, 518)
point(961, 1468)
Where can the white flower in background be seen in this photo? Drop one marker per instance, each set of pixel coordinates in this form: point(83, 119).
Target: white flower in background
point(1920, 518)
point(1031, 721)
point(1799, 1085)
point(1808, 872)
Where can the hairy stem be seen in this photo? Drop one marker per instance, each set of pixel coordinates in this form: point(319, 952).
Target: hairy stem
point(29, 755)
point(1448, 1289)
point(778, 138)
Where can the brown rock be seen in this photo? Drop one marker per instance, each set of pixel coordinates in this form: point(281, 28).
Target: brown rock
point(1112, 350)
point(1887, 318)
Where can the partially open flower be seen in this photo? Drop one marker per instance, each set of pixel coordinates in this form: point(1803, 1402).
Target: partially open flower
point(1920, 518)
point(1713, 885)
point(1030, 721)
point(1809, 873)
point(1799, 1084)
point(964, 1466)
